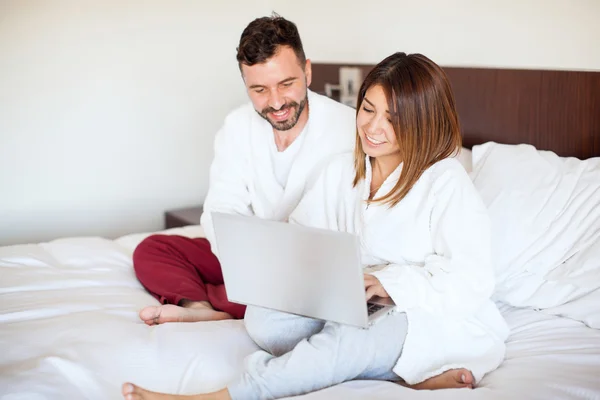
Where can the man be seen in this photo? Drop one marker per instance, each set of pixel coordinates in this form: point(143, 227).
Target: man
point(266, 155)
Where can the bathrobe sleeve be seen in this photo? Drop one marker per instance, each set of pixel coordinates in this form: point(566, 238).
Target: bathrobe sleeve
point(228, 191)
point(457, 278)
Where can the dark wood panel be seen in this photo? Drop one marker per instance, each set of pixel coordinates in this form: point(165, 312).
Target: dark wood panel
point(552, 110)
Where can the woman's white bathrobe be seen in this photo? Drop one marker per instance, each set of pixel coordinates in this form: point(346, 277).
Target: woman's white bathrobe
point(242, 179)
point(433, 251)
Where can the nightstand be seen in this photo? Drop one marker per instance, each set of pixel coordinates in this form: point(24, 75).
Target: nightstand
point(183, 217)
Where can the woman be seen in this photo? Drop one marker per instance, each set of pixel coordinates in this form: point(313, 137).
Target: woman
point(425, 234)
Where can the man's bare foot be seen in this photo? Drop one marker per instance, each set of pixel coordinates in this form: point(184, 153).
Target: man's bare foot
point(451, 379)
point(133, 392)
point(192, 311)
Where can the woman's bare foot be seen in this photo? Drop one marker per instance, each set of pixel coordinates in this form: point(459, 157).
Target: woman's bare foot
point(451, 379)
point(133, 392)
point(192, 311)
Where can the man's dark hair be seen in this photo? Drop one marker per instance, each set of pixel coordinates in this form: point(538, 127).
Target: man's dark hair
point(262, 38)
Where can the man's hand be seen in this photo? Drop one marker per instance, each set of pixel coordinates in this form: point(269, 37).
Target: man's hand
point(373, 287)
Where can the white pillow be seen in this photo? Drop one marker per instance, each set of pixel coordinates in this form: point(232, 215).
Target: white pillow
point(545, 213)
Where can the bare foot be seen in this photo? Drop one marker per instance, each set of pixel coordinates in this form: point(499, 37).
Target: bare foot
point(133, 392)
point(451, 379)
point(192, 312)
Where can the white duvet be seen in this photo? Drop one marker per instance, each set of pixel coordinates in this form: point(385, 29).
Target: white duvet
point(69, 330)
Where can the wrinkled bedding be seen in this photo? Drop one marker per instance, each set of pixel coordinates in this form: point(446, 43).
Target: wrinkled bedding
point(69, 330)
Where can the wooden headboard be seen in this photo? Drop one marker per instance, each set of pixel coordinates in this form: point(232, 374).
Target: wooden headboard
point(552, 110)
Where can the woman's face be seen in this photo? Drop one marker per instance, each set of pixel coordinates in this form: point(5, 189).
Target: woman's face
point(374, 125)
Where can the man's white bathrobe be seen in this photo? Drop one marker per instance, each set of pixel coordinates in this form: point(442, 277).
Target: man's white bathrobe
point(242, 179)
point(434, 259)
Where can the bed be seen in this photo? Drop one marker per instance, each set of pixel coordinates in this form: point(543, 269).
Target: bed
point(68, 308)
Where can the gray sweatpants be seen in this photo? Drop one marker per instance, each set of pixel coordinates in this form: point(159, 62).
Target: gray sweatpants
point(302, 355)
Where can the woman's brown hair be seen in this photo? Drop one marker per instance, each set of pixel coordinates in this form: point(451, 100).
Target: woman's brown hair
point(423, 115)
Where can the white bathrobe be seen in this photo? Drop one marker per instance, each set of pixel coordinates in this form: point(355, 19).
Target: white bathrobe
point(242, 180)
point(434, 260)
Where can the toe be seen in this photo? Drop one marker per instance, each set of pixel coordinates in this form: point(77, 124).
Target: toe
point(131, 392)
point(127, 388)
point(148, 314)
point(465, 376)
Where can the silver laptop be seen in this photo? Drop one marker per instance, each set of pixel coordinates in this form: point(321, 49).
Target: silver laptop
point(312, 272)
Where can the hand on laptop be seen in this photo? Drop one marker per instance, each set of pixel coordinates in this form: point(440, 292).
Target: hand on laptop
point(373, 287)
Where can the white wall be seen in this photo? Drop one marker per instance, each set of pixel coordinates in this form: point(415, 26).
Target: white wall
point(108, 109)
point(540, 34)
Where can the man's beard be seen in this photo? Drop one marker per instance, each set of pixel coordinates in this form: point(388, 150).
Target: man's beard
point(291, 121)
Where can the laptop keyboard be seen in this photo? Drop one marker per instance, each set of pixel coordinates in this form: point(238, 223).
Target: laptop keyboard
point(373, 308)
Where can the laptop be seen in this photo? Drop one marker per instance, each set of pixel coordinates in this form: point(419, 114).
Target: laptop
point(301, 270)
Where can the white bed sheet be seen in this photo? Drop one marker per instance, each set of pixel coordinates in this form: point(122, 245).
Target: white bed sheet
point(69, 330)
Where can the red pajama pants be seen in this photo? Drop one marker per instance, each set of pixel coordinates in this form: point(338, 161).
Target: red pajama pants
point(173, 268)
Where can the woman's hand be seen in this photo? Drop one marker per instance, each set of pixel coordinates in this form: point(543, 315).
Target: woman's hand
point(373, 287)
